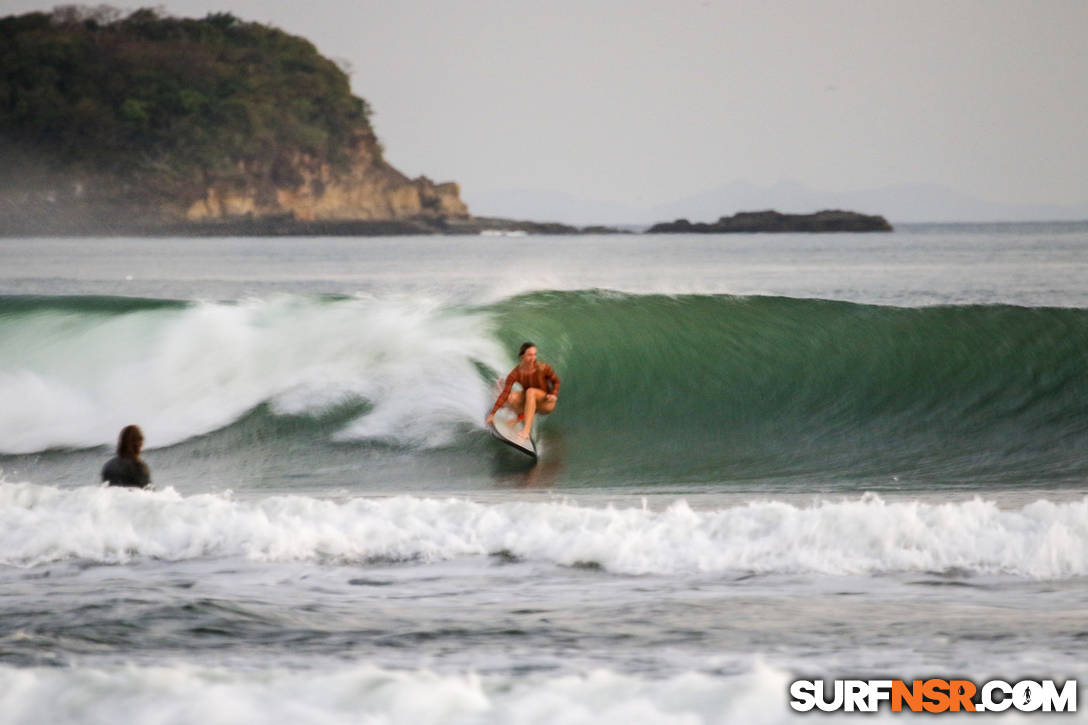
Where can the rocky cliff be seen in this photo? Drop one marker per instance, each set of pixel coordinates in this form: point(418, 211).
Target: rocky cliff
point(311, 189)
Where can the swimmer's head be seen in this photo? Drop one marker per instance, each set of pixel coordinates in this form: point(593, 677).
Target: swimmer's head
point(527, 352)
point(130, 442)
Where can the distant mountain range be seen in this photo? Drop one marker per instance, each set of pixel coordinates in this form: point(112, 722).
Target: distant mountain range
point(904, 203)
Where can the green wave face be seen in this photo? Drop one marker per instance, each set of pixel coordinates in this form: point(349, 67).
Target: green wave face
point(15, 306)
point(765, 392)
point(715, 388)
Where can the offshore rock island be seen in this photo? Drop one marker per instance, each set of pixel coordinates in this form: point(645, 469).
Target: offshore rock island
point(773, 221)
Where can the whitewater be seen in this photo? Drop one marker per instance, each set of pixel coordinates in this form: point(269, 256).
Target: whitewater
point(774, 457)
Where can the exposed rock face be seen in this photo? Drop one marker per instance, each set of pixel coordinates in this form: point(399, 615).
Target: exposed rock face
point(308, 189)
point(299, 188)
point(773, 221)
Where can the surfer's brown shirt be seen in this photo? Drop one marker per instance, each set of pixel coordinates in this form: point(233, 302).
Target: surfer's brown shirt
point(540, 377)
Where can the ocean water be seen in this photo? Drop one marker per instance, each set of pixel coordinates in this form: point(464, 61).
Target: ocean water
point(774, 457)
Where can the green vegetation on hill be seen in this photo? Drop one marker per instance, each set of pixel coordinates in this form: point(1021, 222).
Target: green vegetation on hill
point(164, 100)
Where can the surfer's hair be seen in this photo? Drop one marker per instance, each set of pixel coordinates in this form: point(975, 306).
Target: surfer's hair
point(129, 442)
point(525, 346)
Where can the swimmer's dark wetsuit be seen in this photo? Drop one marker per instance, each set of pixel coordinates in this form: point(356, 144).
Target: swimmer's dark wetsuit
point(126, 472)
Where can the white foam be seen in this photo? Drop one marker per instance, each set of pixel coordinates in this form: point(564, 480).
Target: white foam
point(75, 380)
point(186, 693)
point(41, 524)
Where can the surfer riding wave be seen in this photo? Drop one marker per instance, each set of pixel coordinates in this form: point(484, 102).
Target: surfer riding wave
point(539, 394)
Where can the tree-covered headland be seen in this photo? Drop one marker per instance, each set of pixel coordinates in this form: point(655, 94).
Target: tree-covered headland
point(103, 110)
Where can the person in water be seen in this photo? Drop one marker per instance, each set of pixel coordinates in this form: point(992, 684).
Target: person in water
point(540, 389)
point(127, 468)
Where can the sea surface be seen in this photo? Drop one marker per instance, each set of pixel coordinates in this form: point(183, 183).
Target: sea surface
point(774, 457)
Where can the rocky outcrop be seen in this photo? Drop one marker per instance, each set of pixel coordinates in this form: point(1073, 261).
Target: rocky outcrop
point(773, 221)
point(308, 189)
point(298, 188)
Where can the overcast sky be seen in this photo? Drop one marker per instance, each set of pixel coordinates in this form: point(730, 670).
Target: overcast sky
point(648, 101)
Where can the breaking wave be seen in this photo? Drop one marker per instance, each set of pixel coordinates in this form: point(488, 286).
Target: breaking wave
point(861, 536)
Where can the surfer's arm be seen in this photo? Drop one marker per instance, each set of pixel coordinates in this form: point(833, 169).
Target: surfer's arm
point(554, 380)
point(501, 400)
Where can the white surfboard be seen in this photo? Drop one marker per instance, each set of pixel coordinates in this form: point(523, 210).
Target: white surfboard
point(506, 427)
